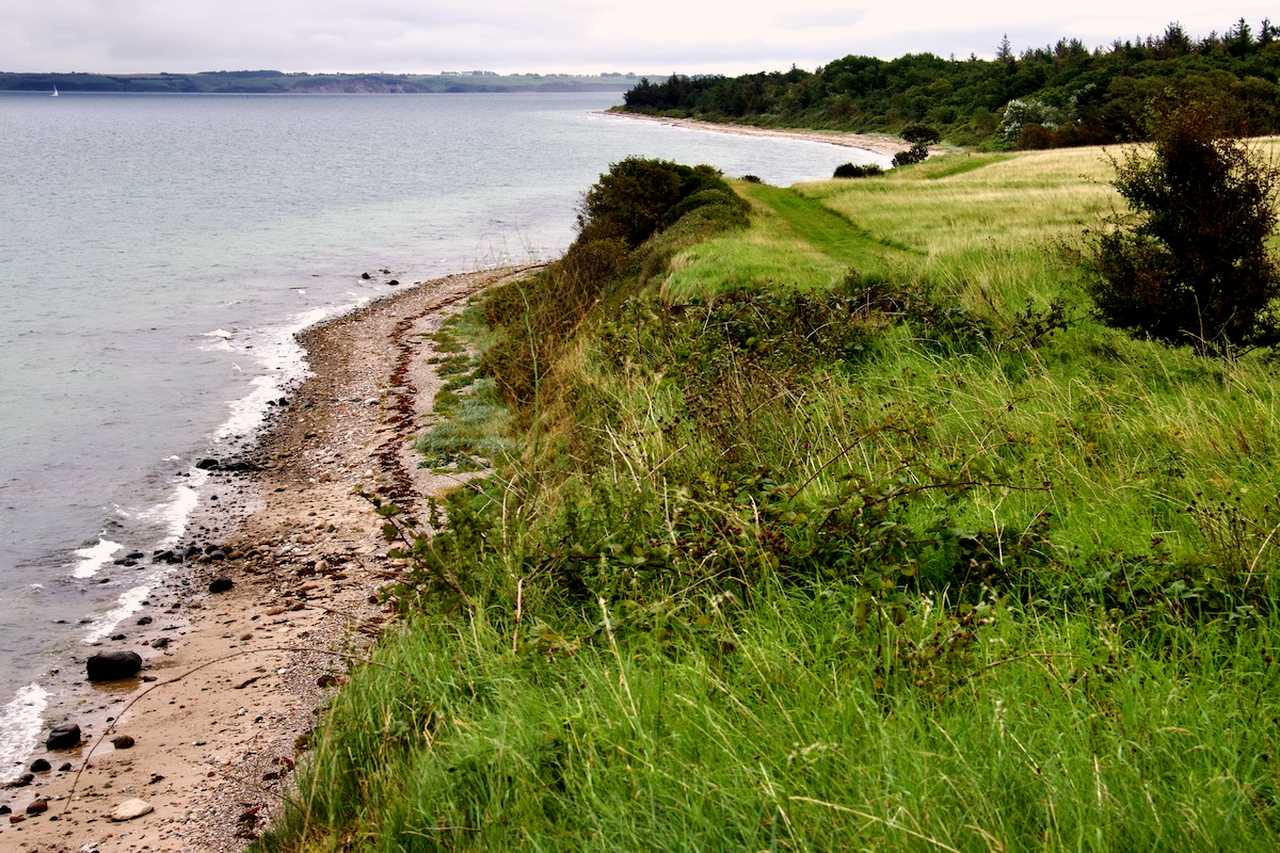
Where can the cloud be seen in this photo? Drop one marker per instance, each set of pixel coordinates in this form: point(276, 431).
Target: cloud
point(575, 35)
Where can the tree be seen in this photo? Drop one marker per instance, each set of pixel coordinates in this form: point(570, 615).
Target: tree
point(1004, 53)
point(922, 133)
point(1189, 264)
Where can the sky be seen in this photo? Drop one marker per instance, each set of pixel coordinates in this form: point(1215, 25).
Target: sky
point(576, 36)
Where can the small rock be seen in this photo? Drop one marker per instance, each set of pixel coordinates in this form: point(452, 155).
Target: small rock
point(40, 765)
point(222, 583)
point(65, 767)
point(16, 818)
point(122, 742)
point(208, 465)
point(63, 736)
point(114, 666)
point(394, 282)
point(365, 276)
point(38, 807)
point(131, 809)
point(145, 620)
point(4, 810)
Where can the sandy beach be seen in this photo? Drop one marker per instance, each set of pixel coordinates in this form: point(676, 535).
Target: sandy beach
point(877, 143)
point(233, 681)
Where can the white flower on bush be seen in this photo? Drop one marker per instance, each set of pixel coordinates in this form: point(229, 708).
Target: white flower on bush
point(1021, 112)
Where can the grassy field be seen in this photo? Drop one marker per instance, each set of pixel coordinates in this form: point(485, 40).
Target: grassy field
point(849, 528)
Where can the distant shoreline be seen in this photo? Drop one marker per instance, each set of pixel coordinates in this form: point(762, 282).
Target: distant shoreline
point(876, 143)
point(279, 82)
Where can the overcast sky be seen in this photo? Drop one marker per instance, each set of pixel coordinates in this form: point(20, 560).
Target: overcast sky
point(649, 36)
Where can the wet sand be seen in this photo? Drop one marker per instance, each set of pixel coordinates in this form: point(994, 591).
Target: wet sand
point(237, 682)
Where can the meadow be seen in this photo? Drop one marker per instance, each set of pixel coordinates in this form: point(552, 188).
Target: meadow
point(834, 522)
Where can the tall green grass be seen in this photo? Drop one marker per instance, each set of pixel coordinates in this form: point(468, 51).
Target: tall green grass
point(924, 558)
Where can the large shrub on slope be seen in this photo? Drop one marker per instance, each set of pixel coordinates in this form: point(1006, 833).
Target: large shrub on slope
point(1190, 264)
point(620, 216)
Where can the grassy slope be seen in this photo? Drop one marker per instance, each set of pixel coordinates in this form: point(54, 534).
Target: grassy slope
point(1053, 714)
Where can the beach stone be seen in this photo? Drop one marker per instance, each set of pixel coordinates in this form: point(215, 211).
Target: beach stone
point(16, 818)
point(222, 583)
point(37, 807)
point(145, 620)
point(4, 810)
point(113, 666)
point(208, 464)
point(63, 736)
point(122, 742)
point(131, 809)
point(394, 282)
point(65, 767)
point(40, 765)
point(22, 781)
point(365, 276)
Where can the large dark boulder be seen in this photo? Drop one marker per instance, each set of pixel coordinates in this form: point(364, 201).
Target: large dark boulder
point(114, 666)
point(63, 736)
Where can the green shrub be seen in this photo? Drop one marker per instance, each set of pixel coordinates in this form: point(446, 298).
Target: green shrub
point(1190, 264)
point(921, 133)
point(857, 170)
point(630, 201)
point(917, 153)
point(629, 204)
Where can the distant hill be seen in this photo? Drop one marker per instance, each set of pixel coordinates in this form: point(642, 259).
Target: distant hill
point(279, 82)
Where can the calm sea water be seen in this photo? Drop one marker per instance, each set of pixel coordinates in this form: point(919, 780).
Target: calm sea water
point(158, 252)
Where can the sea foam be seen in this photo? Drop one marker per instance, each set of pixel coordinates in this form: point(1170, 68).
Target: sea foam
point(21, 722)
point(91, 558)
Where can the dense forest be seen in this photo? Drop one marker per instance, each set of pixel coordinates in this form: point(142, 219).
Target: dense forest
point(1059, 95)
point(279, 82)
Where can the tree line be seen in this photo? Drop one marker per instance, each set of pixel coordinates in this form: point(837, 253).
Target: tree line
point(1058, 95)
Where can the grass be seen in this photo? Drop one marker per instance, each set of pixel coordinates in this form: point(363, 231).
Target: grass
point(471, 424)
point(766, 568)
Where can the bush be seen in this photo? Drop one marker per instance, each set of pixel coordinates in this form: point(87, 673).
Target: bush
point(703, 198)
point(921, 133)
point(857, 170)
point(917, 153)
point(1190, 263)
point(752, 179)
point(1021, 113)
point(631, 199)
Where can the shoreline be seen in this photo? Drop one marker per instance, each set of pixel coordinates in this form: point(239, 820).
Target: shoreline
point(883, 145)
point(214, 747)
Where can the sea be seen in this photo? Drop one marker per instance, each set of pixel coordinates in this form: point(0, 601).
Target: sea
point(158, 253)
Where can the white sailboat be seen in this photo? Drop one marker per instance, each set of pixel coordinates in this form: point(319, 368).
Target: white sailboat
point(54, 94)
